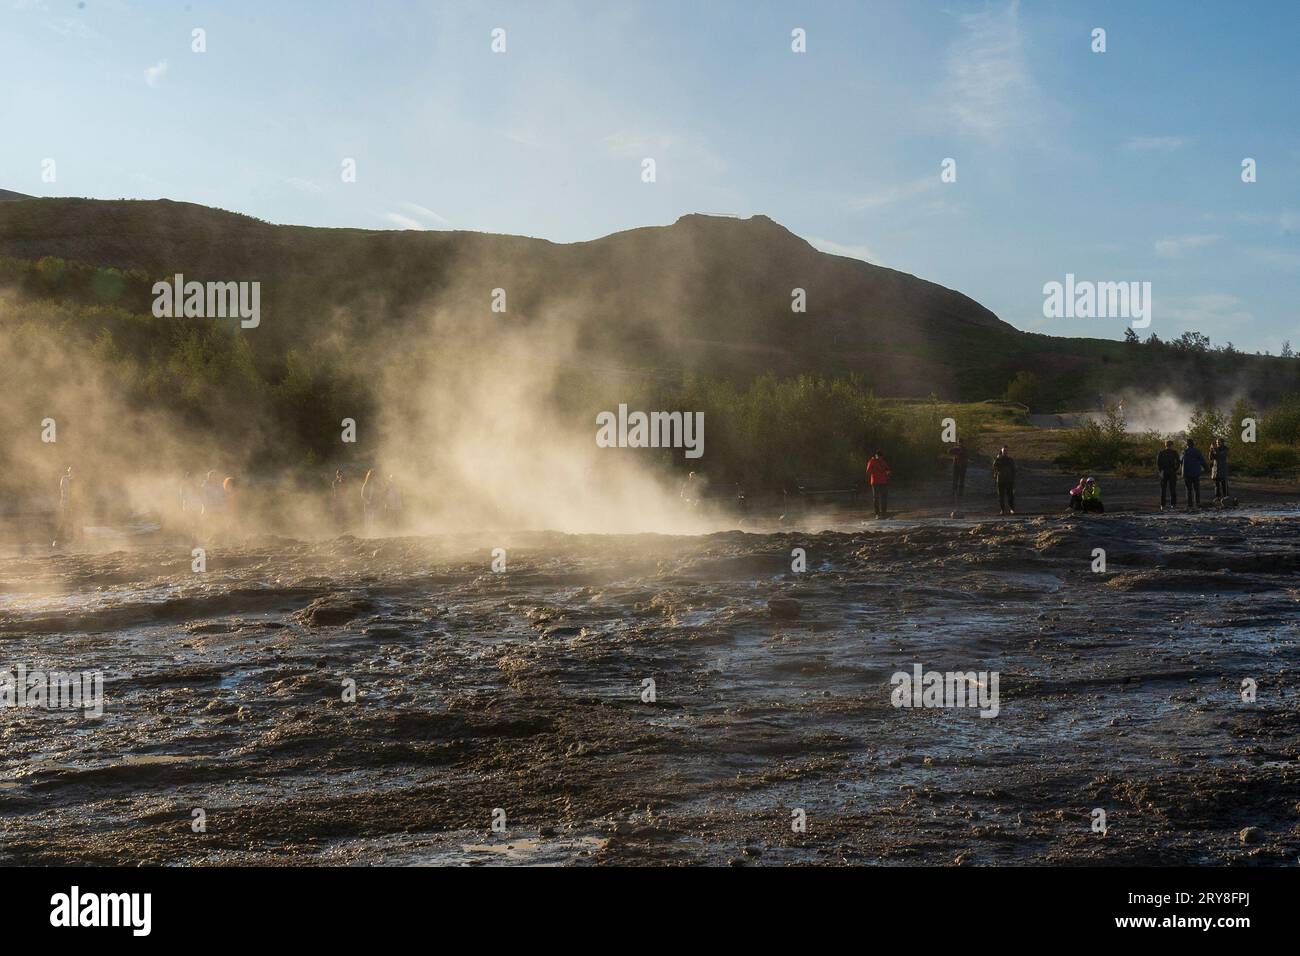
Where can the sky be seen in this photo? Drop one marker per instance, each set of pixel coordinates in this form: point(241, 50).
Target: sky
point(1122, 165)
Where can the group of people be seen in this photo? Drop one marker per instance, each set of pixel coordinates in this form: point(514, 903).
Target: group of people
point(381, 502)
point(211, 505)
point(1085, 496)
point(1192, 464)
point(1004, 476)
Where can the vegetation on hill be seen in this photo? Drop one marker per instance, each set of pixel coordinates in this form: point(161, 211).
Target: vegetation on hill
point(694, 316)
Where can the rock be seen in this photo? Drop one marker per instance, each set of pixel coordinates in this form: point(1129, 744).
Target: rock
point(784, 609)
point(1249, 835)
point(334, 609)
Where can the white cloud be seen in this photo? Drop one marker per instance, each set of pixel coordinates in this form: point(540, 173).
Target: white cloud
point(1286, 221)
point(154, 74)
point(1288, 260)
point(895, 194)
point(840, 249)
point(419, 218)
point(679, 151)
point(1175, 246)
point(988, 79)
point(306, 185)
point(424, 212)
point(1210, 312)
point(1154, 144)
point(406, 222)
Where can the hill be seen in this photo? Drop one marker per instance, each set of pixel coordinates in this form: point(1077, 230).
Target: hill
point(708, 294)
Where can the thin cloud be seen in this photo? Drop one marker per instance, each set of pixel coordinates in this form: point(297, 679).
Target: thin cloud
point(1287, 260)
point(1210, 312)
point(681, 151)
point(988, 77)
point(1177, 246)
point(419, 217)
point(405, 222)
point(840, 249)
point(1154, 144)
point(153, 75)
point(305, 185)
point(425, 212)
point(895, 194)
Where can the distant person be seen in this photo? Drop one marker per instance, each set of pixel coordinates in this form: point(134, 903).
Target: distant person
point(1091, 496)
point(231, 492)
point(339, 504)
point(1193, 465)
point(1076, 495)
point(188, 495)
point(959, 460)
point(68, 529)
point(370, 500)
point(690, 491)
point(1167, 466)
point(1219, 470)
point(212, 495)
point(878, 473)
point(392, 503)
point(1004, 476)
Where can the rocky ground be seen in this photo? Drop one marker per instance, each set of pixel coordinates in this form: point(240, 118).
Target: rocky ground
point(521, 697)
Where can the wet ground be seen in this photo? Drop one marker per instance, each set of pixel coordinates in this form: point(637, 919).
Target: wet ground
point(519, 697)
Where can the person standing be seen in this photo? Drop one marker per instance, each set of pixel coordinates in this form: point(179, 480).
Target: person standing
point(1167, 465)
point(339, 489)
point(1004, 476)
point(370, 501)
point(1193, 465)
point(1219, 470)
point(392, 503)
point(69, 526)
point(230, 504)
point(959, 460)
point(878, 476)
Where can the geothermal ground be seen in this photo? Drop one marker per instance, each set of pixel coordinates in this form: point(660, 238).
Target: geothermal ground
point(523, 691)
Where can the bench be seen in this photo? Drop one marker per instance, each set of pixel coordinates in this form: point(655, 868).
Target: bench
point(809, 490)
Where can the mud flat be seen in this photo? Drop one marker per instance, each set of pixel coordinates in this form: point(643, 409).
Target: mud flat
point(1120, 690)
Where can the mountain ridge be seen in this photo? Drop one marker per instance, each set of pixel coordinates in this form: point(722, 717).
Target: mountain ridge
point(706, 294)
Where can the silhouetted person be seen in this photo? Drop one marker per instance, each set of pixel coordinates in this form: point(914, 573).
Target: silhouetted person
point(1193, 465)
point(339, 503)
point(188, 495)
point(370, 500)
point(392, 503)
point(1004, 476)
point(959, 460)
point(1219, 469)
point(230, 490)
point(68, 529)
point(1167, 465)
point(878, 473)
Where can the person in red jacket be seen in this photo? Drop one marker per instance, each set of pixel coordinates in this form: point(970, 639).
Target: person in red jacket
point(878, 476)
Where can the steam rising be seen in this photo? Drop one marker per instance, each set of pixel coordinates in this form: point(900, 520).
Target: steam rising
point(471, 423)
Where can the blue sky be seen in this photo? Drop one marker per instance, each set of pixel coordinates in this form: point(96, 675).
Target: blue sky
point(1123, 165)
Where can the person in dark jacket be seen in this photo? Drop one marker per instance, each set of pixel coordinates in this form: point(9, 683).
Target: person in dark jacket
point(1167, 465)
point(1219, 469)
point(1004, 476)
point(959, 460)
point(1193, 465)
